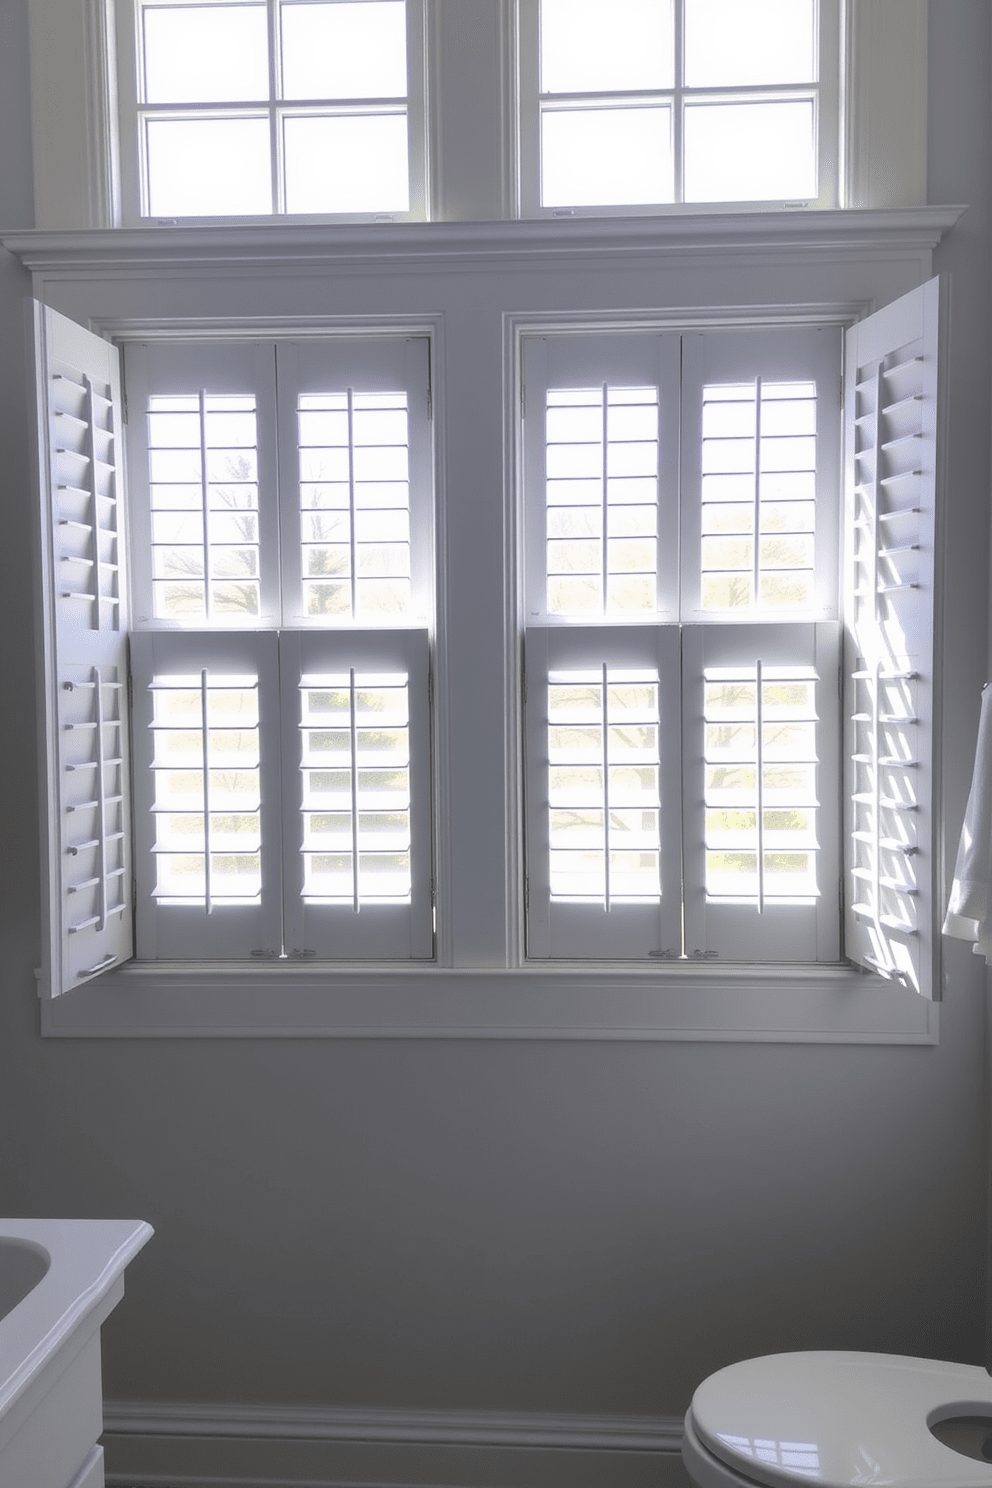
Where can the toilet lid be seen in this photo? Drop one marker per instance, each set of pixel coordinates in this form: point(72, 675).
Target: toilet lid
point(842, 1419)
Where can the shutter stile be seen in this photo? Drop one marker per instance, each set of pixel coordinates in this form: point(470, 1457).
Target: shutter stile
point(87, 873)
point(890, 522)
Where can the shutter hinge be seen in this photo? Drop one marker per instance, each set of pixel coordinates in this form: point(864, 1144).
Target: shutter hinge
point(840, 683)
point(704, 955)
point(840, 395)
point(523, 680)
point(433, 894)
point(430, 686)
point(430, 403)
point(130, 691)
point(527, 892)
point(523, 400)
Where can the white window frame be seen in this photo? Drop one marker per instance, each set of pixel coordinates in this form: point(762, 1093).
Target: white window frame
point(76, 132)
point(826, 93)
point(135, 206)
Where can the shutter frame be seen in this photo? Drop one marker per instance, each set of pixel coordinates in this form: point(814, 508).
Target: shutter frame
point(83, 643)
point(891, 833)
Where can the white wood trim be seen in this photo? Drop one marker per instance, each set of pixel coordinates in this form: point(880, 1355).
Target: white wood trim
point(695, 1003)
point(74, 113)
point(381, 1424)
point(163, 1445)
point(289, 246)
point(886, 103)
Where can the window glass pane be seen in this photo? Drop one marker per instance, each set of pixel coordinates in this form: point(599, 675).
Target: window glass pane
point(205, 53)
point(606, 45)
point(603, 753)
point(344, 50)
point(208, 167)
point(347, 163)
point(354, 504)
point(205, 540)
point(740, 42)
point(750, 151)
point(606, 157)
point(355, 768)
point(207, 798)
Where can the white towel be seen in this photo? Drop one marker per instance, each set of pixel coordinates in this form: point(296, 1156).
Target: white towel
point(968, 916)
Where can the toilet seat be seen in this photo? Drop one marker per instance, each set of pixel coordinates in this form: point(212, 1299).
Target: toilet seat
point(834, 1419)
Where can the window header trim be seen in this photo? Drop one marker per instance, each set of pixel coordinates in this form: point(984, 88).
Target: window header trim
point(282, 246)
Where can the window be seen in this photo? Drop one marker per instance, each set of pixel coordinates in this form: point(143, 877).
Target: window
point(682, 498)
point(677, 604)
point(276, 660)
point(644, 103)
point(260, 107)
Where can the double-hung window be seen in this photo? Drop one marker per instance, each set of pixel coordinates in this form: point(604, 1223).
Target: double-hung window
point(262, 107)
point(645, 103)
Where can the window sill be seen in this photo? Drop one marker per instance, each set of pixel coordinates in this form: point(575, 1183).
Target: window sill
point(694, 1004)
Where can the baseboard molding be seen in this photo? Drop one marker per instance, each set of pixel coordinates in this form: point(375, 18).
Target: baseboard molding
point(152, 1444)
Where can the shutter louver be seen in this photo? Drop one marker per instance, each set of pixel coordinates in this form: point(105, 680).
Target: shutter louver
point(891, 432)
point(84, 628)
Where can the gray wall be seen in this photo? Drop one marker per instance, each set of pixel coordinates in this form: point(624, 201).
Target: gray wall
point(559, 1227)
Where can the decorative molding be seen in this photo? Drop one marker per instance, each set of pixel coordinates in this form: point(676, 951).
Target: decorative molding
point(284, 246)
point(372, 1424)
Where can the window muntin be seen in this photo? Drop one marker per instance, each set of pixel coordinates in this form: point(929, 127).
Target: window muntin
point(261, 107)
point(656, 102)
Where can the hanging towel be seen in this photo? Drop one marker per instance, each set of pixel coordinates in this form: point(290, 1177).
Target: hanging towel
point(968, 908)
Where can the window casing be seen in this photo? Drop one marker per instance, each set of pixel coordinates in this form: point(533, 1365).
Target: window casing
point(271, 134)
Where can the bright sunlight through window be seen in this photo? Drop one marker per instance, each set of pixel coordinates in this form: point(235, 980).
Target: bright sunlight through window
point(648, 102)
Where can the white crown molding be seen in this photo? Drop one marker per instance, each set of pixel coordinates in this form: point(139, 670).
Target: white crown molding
point(371, 1424)
point(280, 246)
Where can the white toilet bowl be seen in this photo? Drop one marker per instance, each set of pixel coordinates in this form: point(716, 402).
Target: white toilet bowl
point(841, 1419)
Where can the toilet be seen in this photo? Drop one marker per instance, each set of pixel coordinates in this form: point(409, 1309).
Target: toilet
point(841, 1419)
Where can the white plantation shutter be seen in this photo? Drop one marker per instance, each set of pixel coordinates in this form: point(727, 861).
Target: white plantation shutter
point(355, 480)
point(602, 812)
point(601, 433)
point(891, 453)
point(760, 791)
point(86, 836)
point(207, 794)
point(202, 483)
point(760, 473)
point(356, 795)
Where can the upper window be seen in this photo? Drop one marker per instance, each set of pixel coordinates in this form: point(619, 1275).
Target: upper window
point(647, 103)
point(263, 107)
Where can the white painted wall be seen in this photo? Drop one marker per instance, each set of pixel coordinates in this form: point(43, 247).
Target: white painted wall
point(544, 1227)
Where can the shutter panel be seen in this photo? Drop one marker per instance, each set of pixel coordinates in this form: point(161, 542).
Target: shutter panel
point(602, 812)
point(760, 797)
point(202, 487)
point(357, 846)
point(207, 794)
point(601, 476)
point(85, 781)
point(890, 499)
point(355, 480)
point(760, 476)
